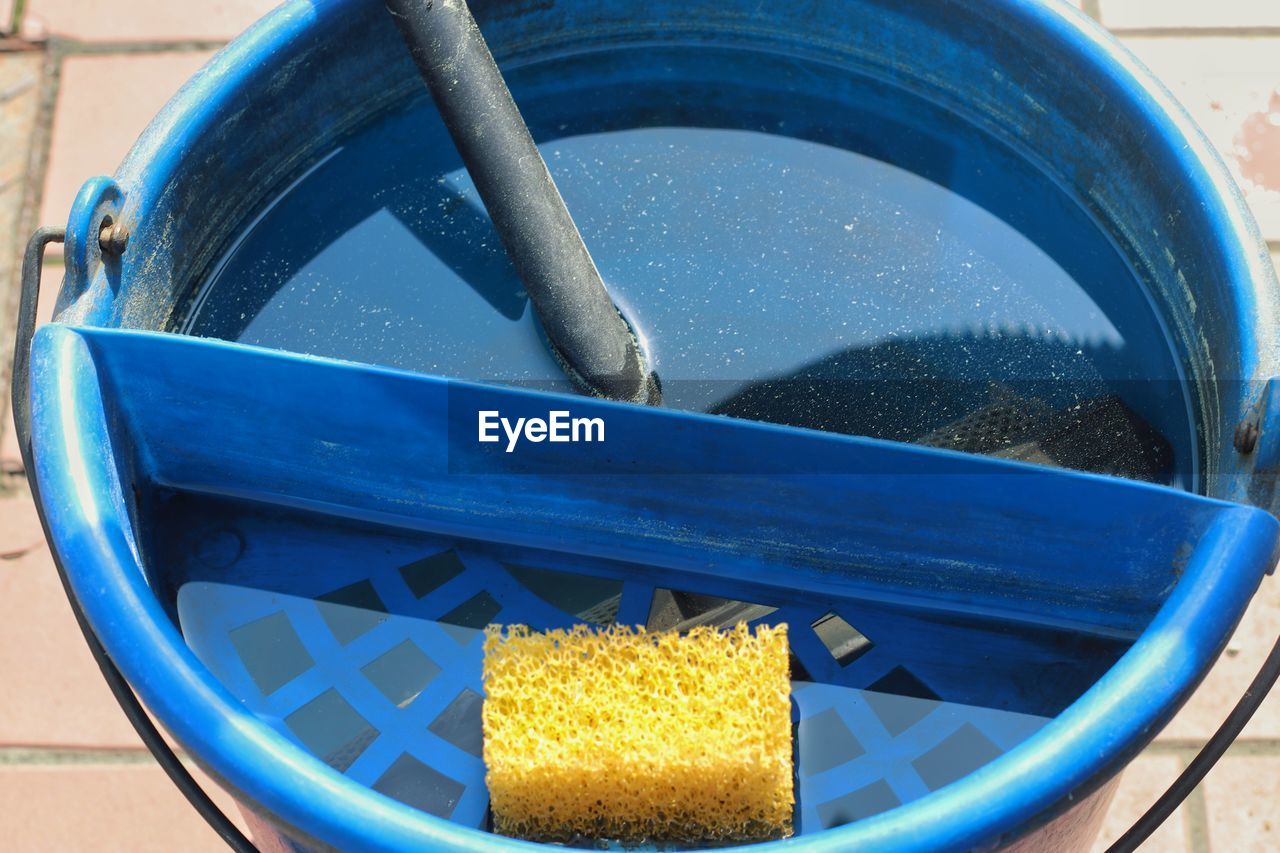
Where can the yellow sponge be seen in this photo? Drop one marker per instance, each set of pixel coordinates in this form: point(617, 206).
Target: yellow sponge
point(629, 735)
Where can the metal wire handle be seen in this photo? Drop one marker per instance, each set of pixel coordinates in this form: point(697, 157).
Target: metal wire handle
point(28, 298)
point(32, 266)
point(1205, 758)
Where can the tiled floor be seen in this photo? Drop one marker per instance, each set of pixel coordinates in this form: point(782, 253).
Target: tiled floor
point(72, 774)
point(119, 802)
point(1236, 103)
point(107, 98)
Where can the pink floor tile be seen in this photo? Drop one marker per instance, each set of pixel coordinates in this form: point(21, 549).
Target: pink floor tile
point(54, 694)
point(10, 456)
point(1237, 666)
point(146, 20)
point(1243, 797)
point(1127, 14)
point(104, 103)
point(20, 532)
point(131, 808)
point(50, 281)
point(1142, 783)
point(1231, 86)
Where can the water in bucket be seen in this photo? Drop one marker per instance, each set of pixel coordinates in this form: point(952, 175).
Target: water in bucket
point(781, 261)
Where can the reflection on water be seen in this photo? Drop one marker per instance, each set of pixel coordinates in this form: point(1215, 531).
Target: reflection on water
point(740, 254)
point(774, 272)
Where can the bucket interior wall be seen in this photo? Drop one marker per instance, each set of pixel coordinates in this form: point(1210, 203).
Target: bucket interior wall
point(794, 242)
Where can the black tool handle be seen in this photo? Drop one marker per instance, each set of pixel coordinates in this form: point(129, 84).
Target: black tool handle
point(591, 339)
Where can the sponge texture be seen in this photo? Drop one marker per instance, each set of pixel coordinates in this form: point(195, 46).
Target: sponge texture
point(629, 735)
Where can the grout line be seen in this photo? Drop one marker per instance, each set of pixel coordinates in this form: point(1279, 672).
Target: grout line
point(20, 756)
point(41, 137)
point(1196, 821)
point(13, 484)
point(32, 187)
point(1242, 747)
point(1195, 812)
point(1092, 8)
point(76, 47)
point(1193, 32)
point(16, 14)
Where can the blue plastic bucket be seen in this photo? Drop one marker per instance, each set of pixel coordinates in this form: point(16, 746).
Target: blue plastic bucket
point(852, 227)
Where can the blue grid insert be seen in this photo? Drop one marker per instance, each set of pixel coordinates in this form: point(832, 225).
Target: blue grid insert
point(376, 671)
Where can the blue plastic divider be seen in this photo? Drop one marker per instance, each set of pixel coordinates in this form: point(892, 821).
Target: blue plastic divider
point(696, 493)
